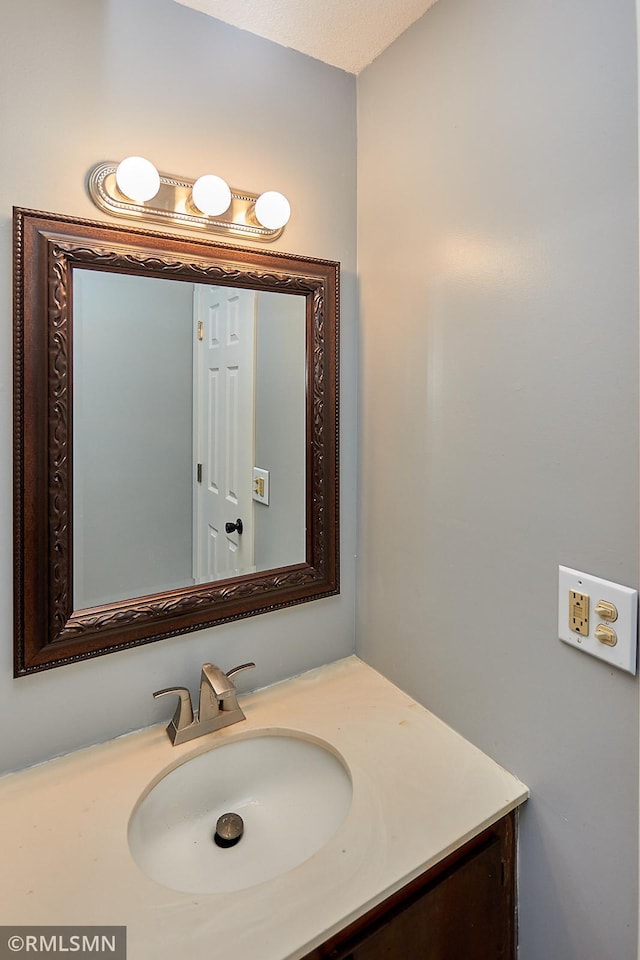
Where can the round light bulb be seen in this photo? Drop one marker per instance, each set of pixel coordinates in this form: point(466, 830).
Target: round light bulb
point(211, 195)
point(272, 210)
point(137, 179)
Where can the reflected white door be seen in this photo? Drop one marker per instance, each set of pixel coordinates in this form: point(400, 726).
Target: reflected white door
point(224, 379)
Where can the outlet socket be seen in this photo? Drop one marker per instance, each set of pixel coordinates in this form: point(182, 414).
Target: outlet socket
point(579, 613)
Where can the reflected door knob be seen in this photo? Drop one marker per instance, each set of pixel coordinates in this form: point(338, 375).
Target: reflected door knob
point(230, 527)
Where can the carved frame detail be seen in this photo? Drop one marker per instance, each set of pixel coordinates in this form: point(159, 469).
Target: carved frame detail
point(47, 249)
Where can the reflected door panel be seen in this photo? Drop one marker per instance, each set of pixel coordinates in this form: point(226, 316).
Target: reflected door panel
point(224, 430)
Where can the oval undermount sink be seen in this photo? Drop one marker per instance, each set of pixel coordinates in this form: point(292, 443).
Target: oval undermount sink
point(291, 793)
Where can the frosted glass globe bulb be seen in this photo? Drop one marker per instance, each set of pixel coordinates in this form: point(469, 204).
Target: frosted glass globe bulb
point(272, 210)
point(211, 195)
point(137, 179)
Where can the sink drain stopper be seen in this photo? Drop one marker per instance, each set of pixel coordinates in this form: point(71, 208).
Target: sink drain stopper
point(229, 830)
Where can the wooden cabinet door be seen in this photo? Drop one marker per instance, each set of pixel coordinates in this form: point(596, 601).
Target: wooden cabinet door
point(462, 909)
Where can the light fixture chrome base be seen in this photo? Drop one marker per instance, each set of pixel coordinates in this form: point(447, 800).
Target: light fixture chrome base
point(172, 204)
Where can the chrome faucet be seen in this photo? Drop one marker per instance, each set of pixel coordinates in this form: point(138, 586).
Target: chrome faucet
point(218, 705)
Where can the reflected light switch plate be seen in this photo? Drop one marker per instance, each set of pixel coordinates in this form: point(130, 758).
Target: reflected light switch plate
point(260, 485)
point(617, 644)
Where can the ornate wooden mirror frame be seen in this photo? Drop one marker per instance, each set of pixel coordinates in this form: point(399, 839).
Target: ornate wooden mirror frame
point(47, 249)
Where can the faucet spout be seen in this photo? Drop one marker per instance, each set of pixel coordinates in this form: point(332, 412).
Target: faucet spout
point(215, 687)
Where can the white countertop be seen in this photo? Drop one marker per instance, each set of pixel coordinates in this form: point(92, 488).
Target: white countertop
point(419, 791)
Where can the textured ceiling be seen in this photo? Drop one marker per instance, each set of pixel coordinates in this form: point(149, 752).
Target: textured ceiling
point(345, 33)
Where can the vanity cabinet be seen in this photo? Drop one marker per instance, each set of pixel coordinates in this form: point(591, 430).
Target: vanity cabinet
point(463, 908)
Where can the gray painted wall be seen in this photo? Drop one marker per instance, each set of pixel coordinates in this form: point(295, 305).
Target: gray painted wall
point(84, 82)
point(132, 436)
point(499, 417)
point(280, 527)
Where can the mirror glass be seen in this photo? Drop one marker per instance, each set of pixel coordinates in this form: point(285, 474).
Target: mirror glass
point(175, 435)
point(188, 427)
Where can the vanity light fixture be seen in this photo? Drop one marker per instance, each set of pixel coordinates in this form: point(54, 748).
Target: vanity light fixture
point(134, 188)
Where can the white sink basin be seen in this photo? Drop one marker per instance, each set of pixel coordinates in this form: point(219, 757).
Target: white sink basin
point(292, 794)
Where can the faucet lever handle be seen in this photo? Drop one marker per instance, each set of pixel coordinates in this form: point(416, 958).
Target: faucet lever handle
point(183, 716)
point(230, 702)
point(243, 666)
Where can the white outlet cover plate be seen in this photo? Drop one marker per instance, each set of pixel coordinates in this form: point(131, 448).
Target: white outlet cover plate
point(624, 654)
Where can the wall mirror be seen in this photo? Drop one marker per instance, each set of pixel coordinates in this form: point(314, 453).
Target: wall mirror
point(176, 405)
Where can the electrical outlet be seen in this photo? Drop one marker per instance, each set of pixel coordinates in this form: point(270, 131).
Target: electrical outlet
point(587, 606)
point(579, 612)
